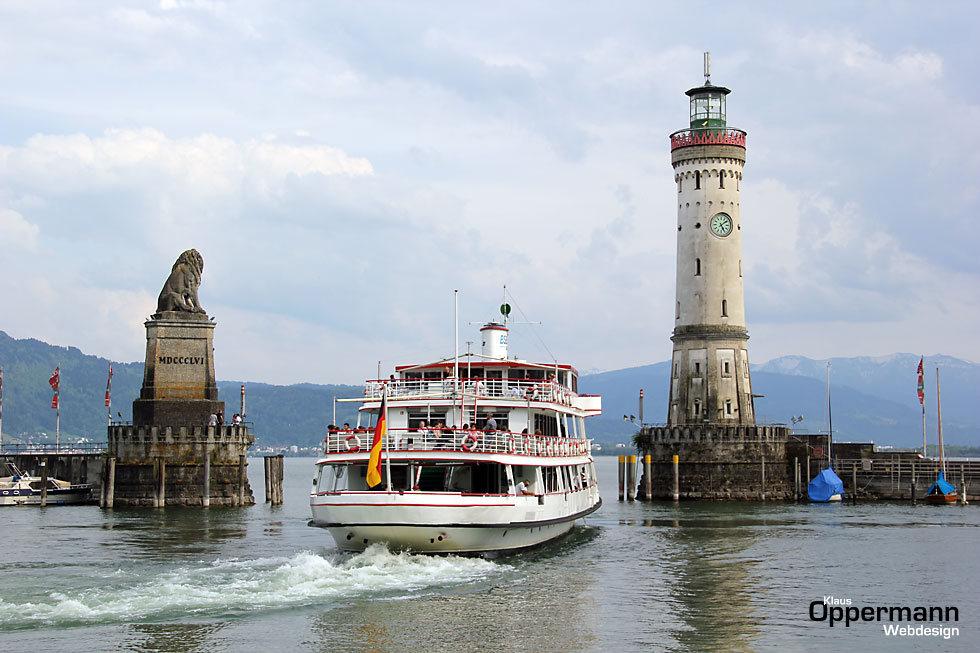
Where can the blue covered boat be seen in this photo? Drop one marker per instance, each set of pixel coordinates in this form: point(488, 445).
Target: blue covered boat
point(825, 487)
point(942, 491)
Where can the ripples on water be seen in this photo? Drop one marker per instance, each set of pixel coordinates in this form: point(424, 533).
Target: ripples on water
point(636, 576)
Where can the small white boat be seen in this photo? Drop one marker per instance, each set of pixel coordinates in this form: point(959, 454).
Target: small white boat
point(479, 456)
point(19, 489)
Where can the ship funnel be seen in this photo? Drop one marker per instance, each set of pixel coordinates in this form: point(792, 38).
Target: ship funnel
point(494, 337)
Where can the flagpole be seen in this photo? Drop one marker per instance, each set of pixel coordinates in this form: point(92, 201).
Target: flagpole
point(922, 402)
point(1, 409)
point(455, 337)
point(384, 402)
point(57, 418)
point(939, 414)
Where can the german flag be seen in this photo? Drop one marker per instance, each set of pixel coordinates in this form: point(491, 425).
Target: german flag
point(374, 463)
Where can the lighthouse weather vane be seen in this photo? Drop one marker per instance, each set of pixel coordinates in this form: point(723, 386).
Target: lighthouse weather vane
point(707, 69)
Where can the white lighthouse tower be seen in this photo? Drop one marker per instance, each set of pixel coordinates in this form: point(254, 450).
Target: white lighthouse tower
point(709, 381)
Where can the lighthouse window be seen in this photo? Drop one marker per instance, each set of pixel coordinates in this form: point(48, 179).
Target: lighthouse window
point(726, 368)
point(697, 408)
point(697, 180)
point(721, 179)
point(680, 184)
point(678, 316)
point(724, 308)
point(697, 267)
point(728, 407)
point(697, 369)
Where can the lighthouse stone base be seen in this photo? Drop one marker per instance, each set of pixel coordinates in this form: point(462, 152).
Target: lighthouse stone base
point(719, 462)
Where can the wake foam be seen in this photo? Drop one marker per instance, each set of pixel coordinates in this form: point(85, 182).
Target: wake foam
point(236, 586)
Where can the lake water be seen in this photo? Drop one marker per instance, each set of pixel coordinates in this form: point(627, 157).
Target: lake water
point(635, 576)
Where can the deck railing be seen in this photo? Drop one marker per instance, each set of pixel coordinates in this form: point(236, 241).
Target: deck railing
point(470, 441)
point(452, 388)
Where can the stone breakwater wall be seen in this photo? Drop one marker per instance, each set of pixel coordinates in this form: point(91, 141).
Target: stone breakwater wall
point(179, 463)
point(719, 462)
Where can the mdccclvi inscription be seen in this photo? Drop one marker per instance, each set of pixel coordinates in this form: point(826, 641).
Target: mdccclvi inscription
point(181, 360)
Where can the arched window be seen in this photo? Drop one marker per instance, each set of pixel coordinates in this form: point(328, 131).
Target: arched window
point(680, 183)
point(697, 180)
point(678, 316)
point(721, 179)
point(697, 267)
point(724, 308)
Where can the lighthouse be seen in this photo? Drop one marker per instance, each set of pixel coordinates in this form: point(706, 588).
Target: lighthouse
point(709, 378)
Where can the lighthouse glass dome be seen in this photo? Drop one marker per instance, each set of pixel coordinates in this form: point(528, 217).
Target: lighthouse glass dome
point(708, 106)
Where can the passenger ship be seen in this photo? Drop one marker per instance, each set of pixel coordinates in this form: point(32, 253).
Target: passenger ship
point(482, 454)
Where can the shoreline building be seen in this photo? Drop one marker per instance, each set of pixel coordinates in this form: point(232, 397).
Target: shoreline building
point(711, 426)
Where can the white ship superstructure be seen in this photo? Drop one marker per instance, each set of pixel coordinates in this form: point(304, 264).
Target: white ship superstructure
point(481, 454)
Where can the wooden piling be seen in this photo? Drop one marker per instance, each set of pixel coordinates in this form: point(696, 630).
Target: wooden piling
point(110, 492)
point(44, 481)
point(648, 474)
point(630, 475)
point(622, 477)
point(267, 468)
point(677, 483)
point(912, 484)
point(277, 495)
point(206, 495)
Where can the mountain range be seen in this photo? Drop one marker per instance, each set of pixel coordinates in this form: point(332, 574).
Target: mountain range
point(873, 398)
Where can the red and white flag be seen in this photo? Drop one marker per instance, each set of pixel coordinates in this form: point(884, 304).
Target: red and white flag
point(108, 386)
point(921, 387)
point(54, 382)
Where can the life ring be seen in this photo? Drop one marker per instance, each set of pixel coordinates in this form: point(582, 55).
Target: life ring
point(510, 445)
point(527, 444)
point(356, 446)
point(469, 442)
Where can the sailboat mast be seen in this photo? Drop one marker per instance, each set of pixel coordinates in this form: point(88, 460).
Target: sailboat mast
point(939, 414)
point(830, 419)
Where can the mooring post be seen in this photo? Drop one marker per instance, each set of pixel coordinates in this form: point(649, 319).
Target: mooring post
point(648, 473)
point(241, 480)
point(267, 464)
point(621, 465)
point(963, 500)
point(44, 481)
point(280, 465)
point(630, 473)
point(796, 478)
point(105, 470)
point(854, 482)
point(912, 484)
point(206, 498)
point(808, 475)
point(763, 485)
point(110, 492)
point(677, 484)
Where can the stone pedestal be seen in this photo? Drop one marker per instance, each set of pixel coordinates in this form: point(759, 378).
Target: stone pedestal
point(179, 386)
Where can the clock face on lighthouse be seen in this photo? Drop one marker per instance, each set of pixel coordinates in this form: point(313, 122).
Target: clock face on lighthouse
point(721, 224)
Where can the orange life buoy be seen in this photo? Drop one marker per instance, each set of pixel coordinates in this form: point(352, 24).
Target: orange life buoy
point(469, 442)
point(353, 443)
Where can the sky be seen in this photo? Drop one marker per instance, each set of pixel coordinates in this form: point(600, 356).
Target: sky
point(343, 168)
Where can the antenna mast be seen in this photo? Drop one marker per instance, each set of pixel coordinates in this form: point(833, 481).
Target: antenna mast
point(707, 69)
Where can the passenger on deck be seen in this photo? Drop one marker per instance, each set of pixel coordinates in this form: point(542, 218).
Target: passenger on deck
point(491, 425)
point(524, 488)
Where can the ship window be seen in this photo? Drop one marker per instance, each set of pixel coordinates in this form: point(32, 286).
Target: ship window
point(546, 424)
point(697, 180)
point(697, 267)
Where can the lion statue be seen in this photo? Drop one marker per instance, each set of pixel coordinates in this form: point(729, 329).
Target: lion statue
point(180, 291)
